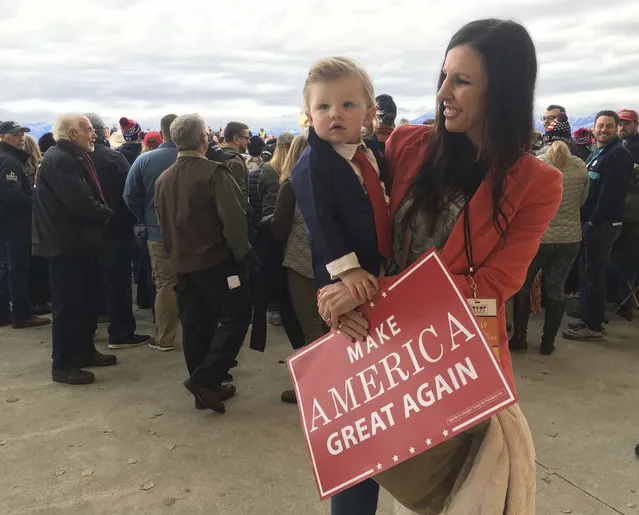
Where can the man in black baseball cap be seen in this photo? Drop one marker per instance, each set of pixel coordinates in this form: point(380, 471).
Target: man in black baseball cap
point(16, 193)
point(13, 133)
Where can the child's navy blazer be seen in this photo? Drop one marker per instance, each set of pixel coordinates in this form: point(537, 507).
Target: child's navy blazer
point(336, 209)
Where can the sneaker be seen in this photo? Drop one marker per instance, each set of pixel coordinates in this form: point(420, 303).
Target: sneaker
point(72, 376)
point(165, 348)
point(228, 378)
point(34, 321)
point(135, 340)
point(580, 323)
point(583, 333)
point(97, 359)
point(274, 318)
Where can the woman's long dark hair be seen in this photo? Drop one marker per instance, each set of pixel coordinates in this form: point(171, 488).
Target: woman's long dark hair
point(452, 167)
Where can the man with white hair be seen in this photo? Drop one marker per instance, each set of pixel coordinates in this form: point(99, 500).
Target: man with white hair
point(202, 216)
point(69, 218)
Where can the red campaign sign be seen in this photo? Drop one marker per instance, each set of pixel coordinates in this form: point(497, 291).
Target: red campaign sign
point(424, 374)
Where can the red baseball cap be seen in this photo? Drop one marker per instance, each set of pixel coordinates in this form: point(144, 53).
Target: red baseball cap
point(152, 139)
point(628, 115)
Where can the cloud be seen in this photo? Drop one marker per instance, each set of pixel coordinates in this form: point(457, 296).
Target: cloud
point(248, 60)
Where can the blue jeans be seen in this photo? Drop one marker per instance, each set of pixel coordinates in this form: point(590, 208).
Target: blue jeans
point(14, 277)
point(593, 264)
point(360, 499)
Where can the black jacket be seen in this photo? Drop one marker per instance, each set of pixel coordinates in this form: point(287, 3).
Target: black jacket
point(336, 209)
point(16, 190)
point(112, 169)
point(68, 217)
point(130, 150)
point(632, 144)
point(610, 172)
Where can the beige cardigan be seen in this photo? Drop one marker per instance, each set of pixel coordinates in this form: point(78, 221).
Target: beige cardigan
point(497, 474)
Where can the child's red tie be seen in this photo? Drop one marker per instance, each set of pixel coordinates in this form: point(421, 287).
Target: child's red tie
point(378, 201)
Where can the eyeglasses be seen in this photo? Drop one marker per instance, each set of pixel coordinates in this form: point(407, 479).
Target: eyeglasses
point(548, 118)
point(245, 137)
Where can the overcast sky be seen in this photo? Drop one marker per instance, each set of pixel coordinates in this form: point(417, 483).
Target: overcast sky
point(247, 60)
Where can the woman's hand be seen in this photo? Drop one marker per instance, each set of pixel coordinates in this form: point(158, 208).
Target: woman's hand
point(334, 301)
point(354, 326)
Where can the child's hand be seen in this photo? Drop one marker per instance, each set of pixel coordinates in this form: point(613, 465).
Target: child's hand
point(362, 285)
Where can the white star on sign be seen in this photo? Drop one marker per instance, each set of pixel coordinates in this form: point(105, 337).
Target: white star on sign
point(372, 304)
point(379, 466)
point(428, 442)
point(395, 458)
point(384, 294)
point(445, 433)
point(412, 450)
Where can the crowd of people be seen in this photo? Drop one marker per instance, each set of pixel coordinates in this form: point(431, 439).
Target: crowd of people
point(225, 230)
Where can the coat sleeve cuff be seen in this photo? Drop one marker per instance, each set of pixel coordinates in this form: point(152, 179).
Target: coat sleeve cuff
point(343, 264)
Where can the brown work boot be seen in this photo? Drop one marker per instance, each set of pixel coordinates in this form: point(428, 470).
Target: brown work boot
point(227, 391)
point(212, 400)
point(34, 321)
point(289, 397)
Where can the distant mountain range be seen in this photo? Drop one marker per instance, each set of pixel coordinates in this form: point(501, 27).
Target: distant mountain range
point(38, 129)
point(575, 122)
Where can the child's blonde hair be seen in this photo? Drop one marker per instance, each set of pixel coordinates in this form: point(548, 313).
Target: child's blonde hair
point(299, 145)
point(330, 69)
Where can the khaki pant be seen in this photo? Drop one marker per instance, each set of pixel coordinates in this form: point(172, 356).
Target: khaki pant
point(303, 292)
point(166, 306)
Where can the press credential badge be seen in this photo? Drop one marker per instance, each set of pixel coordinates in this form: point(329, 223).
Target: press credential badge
point(486, 312)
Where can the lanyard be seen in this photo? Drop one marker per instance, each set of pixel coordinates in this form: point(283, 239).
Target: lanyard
point(593, 157)
point(468, 248)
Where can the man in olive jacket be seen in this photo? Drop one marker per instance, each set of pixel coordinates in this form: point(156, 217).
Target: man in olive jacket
point(203, 223)
point(69, 218)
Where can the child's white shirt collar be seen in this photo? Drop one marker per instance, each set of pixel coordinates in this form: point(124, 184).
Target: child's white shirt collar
point(347, 150)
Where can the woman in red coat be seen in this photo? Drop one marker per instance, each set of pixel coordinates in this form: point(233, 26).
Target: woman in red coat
point(467, 187)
